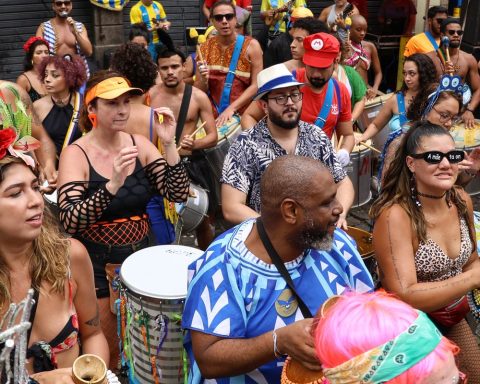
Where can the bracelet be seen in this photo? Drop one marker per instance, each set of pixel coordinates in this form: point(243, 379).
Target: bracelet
point(469, 110)
point(279, 355)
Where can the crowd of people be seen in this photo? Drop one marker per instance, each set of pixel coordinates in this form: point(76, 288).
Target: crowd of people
point(266, 126)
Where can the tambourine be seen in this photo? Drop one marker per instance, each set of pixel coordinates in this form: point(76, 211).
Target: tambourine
point(295, 373)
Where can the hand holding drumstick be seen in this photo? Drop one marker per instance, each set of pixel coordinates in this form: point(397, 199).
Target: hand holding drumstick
point(187, 141)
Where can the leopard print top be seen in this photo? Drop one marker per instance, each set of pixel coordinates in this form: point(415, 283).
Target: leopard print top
point(431, 262)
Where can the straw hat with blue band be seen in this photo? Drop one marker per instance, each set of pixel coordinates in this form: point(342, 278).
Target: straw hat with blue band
point(274, 77)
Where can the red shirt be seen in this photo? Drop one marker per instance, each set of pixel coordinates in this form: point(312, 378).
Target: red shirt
point(313, 102)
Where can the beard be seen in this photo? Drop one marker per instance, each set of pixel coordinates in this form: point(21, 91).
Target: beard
point(313, 237)
point(316, 82)
point(171, 85)
point(455, 44)
point(277, 118)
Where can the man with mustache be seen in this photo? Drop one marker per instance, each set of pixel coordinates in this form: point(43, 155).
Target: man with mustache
point(326, 101)
point(65, 35)
point(461, 63)
point(171, 93)
point(242, 317)
point(280, 133)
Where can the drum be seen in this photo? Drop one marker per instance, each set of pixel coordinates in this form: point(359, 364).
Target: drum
point(295, 373)
point(227, 134)
point(371, 110)
point(194, 210)
point(364, 242)
point(154, 287)
point(360, 172)
point(468, 139)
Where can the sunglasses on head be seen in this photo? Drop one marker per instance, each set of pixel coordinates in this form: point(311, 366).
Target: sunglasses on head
point(60, 3)
point(219, 17)
point(452, 32)
point(435, 157)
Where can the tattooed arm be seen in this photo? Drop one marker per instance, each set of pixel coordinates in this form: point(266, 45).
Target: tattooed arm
point(395, 245)
point(92, 337)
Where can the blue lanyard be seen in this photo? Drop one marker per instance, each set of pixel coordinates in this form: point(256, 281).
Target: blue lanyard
point(401, 109)
point(322, 116)
point(432, 40)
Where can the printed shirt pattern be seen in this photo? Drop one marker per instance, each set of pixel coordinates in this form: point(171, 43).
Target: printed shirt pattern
point(255, 149)
point(232, 293)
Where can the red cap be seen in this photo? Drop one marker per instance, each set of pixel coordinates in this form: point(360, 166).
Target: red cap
point(321, 49)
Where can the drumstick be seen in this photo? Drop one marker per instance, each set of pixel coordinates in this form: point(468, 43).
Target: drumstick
point(369, 146)
point(194, 133)
point(340, 142)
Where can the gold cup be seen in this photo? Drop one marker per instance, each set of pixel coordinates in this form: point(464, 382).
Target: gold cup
point(89, 369)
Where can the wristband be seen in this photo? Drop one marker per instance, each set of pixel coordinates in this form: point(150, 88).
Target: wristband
point(469, 110)
point(279, 355)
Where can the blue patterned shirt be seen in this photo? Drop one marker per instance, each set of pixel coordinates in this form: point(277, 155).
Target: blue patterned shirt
point(255, 149)
point(233, 294)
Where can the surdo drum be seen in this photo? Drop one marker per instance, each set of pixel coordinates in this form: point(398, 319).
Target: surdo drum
point(360, 172)
point(154, 287)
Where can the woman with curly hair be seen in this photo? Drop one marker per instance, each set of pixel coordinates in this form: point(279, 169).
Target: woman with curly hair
point(36, 48)
point(424, 237)
point(58, 111)
point(34, 254)
point(418, 76)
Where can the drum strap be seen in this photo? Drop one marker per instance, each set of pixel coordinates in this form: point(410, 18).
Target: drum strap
point(327, 104)
point(281, 267)
point(401, 109)
point(432, 40)
point(182, 114)
point(227, 87)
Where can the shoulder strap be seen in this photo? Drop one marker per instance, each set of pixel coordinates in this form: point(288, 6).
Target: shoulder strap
point(227, 87)
point(145, 16)
point(401, 108)
point(182, 114)
point(85, 153)
point(151, 125)
point(281, 267)
point(432, 40)
point(36, 295)
point(339, 96)
point(327, 104)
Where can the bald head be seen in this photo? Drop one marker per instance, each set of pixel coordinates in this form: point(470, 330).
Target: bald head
point(358, 19)
point(290, 177)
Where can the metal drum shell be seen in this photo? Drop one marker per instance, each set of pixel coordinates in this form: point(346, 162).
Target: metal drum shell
point(155, 280)
point(468, 143)
point(194, 210)
point(360, 172)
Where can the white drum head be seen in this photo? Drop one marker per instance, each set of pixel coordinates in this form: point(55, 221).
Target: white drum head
point(159, 272)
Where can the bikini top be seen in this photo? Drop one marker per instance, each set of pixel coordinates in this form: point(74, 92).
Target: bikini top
point(44, 353)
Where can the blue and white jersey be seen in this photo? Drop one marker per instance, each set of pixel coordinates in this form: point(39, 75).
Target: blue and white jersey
point(233, 294)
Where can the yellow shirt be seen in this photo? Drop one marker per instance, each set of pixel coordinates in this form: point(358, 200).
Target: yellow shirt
point(141, 13)
point(419, 44)
point(280, 25)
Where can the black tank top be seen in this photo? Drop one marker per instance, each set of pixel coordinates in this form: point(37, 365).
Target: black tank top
point(57, 122)
point(130, 200)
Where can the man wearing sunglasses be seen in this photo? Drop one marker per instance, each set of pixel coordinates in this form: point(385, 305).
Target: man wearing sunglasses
point(429, 40)
point(64, 35)
point(460, 63)
point(231, 63)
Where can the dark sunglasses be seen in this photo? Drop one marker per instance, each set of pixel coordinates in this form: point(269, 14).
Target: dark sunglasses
point(435, 157)
point(60, 3)
point(452, 32)
point(439, 20)
point(228, 16)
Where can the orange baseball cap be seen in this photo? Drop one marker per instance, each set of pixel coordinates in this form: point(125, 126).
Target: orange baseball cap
point(110, 89)
point(321, 49)
point(300, 13)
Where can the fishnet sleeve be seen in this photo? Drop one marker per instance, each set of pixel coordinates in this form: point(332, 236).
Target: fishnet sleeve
point(172, 182)
point(77, 211)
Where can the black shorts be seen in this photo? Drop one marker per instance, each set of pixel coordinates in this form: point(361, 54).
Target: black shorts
point(102, 254)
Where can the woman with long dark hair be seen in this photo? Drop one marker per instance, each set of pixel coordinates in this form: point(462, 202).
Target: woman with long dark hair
point(424, 237)
point(36, 48)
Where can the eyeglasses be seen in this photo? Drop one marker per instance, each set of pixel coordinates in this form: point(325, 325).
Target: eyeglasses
point(60, 3)
point(282, 99)
point(228, 16)
point(439, 20)
point(452, 32)
point(445, 116)
point(435, 157)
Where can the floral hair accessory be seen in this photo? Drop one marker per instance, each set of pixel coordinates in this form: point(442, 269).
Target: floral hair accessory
point(16, 129)
point(33, 39)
